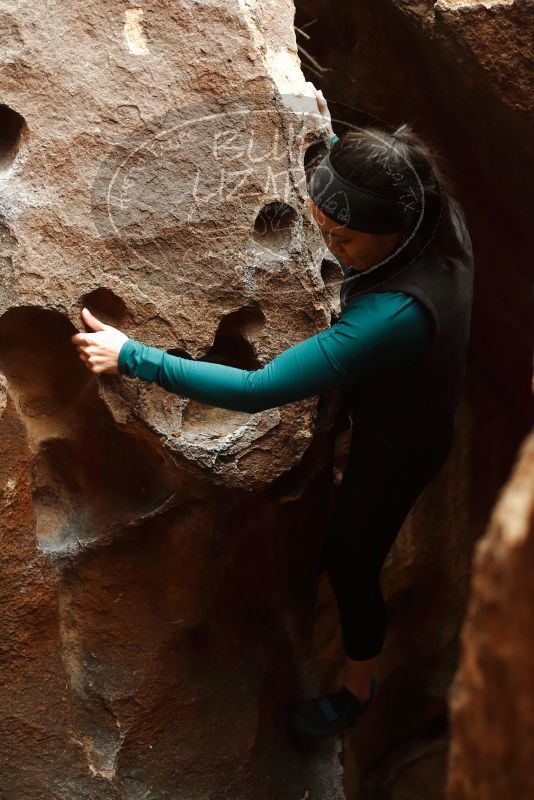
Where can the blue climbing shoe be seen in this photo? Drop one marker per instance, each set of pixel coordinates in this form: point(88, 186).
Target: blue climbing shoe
point(332, 713)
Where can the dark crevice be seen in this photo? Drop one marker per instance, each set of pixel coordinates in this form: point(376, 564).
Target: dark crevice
point(332, 276)
point(105, 305)
point(231, 347)
point(331, 273)
point(177, 351)
point(12, 126)
point(312, 156)
point(273, 227)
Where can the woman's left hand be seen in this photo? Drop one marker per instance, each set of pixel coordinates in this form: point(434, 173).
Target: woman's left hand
point(99, 350)
point(322, 105)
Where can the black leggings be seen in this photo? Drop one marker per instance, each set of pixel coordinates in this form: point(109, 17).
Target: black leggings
point(378, 489)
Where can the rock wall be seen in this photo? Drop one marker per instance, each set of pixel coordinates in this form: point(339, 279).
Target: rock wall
point(492, 696)
point(157, 555)
point(458, 72)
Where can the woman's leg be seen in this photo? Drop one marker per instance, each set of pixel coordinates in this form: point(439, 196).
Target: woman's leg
point(376, 494)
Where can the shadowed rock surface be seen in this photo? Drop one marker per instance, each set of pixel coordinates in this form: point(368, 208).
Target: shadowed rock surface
point(459, 72)
point(492, 707)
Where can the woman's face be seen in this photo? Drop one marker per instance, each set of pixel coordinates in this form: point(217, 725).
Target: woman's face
point(357, 249)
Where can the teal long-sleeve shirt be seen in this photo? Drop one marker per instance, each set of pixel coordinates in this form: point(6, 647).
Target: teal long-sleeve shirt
point(374, 331)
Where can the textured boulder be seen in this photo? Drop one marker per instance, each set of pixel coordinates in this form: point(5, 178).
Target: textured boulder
point(492, 696)
point(157, 555)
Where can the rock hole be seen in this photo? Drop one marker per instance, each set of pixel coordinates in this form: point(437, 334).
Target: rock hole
point(332, 276)
point(331, 273)
point(312, 156)
point(89, 479)
point(273, 227)
point(105, 305)
point(231, 347)
point(12, 126)
point(177, 351)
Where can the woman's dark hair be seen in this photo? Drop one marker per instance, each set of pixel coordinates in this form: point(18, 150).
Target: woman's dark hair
point(399, 165)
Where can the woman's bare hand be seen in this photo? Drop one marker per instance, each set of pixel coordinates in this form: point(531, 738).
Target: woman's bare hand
point(322, 105)
point(99, 350)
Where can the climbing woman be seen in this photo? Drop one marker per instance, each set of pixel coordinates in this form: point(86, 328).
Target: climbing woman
point(396, 353)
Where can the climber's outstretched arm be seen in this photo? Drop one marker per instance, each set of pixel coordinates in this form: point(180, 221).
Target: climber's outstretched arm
point(374, 331)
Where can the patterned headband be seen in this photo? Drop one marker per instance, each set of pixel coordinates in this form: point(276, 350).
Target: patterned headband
point(353, 206)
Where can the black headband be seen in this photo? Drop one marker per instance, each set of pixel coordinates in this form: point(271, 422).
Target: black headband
point(355, 207)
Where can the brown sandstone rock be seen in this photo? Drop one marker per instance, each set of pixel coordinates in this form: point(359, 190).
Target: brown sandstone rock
point(157, 555)
point(492, 696)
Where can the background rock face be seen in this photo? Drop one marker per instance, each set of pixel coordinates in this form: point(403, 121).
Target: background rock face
point(492, 697)
point(157, 554)
point(457, 72)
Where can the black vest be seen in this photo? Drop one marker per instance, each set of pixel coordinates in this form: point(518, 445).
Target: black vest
point(415, 406)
